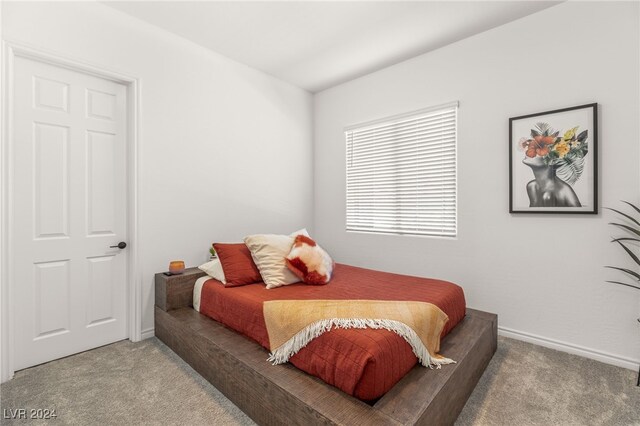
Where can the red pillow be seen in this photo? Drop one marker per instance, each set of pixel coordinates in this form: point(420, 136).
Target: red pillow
point(237, 264)
point(309, 261)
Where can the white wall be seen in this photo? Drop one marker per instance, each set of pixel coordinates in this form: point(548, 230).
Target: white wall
point(225, 150)
point(542, 274)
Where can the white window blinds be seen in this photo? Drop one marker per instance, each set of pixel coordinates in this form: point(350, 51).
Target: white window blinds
point(401, 174)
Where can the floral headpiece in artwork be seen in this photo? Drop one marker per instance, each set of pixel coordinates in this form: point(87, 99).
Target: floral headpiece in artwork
point(566, 152)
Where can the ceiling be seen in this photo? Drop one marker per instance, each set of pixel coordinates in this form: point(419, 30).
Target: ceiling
point(319, 44)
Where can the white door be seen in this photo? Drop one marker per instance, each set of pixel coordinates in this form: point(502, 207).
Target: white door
point(69, 193)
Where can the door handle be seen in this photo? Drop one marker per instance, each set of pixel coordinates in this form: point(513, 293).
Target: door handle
point(120, 245)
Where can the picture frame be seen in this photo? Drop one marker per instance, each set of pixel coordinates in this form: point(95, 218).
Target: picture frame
point(553, 161)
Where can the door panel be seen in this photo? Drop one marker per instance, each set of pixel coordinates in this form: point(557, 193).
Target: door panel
point(51, 182)
point(100, 302)
point(69, 205)
point(52, 309)
point(50, 94)
point(101, 105)
point(101, 188)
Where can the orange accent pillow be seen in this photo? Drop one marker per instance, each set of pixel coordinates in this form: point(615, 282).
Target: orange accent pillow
point(237, 264)
point(309, 261)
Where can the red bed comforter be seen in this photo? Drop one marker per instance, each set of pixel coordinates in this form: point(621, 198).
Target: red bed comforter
point(364, 363)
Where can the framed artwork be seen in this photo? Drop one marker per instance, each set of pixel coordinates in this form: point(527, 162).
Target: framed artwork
point(553, 161)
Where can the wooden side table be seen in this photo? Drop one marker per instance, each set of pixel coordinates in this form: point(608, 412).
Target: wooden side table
point(176, 291)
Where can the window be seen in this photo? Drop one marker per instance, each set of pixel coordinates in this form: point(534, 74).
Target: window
point(401, 174)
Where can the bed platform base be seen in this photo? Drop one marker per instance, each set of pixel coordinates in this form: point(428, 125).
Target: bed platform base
point(276, 395)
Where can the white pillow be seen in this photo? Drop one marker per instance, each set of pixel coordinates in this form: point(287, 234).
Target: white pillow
point(214, 270)
point(268, 252)
point(197, 291)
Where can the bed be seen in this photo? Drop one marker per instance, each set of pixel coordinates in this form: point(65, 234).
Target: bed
point(364, 363)
point(366, 375)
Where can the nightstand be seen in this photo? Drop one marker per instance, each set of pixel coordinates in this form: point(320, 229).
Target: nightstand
point(176, 291)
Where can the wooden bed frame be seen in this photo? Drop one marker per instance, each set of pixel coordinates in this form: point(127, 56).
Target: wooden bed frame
point(274, 395)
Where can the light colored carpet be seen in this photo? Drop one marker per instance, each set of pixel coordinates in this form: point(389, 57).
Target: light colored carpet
point(146, 383)
point(526, 384)
point(121, 384)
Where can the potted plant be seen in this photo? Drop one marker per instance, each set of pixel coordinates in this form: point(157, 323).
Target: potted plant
point(213, 253)
point(631, 227)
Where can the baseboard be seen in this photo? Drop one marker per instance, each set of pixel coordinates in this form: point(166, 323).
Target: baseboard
point(4, 379)
point(607, 358)
point(146, 334)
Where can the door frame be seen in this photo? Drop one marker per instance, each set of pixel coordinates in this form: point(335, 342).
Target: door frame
point(10, 51)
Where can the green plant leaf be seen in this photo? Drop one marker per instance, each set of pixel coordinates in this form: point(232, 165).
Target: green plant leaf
point(584, 151)
point(543, 128)
point(625, 215)
point(627, 227)
point(627, 271)
point(632, 254)
point(628, 285)
point(634, 230)
point(583, 135)
point(625, 239)
point(636, 208)
point(570, 169)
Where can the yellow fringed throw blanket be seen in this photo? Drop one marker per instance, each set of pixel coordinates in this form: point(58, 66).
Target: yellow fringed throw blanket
point(292, 324)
